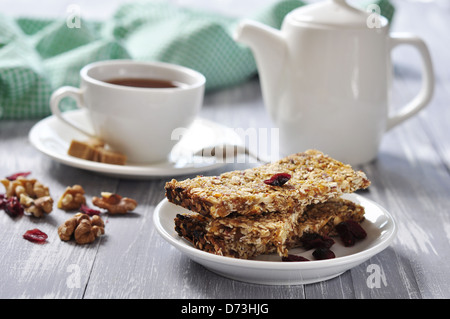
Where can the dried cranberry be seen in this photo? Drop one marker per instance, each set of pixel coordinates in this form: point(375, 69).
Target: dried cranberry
point(35, 236)
point(345, 234)
point(13, 177)
point(278, 179)
point(2, 201)
point(89, 211)
point(349, 231)
point(294, 258)
point(356, 229)
point(314, 240)
point(11, 206)
point(323, 253)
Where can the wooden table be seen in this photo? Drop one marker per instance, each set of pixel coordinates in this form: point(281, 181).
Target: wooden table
point(410, 178)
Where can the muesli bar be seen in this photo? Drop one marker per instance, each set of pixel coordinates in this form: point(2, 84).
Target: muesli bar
point(315, 178)
point(249, 236)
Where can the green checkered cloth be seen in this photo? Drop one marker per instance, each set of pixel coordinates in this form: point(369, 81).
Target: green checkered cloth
point(39, 55)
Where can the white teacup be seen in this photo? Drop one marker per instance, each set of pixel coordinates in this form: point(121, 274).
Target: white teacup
point(137, 121)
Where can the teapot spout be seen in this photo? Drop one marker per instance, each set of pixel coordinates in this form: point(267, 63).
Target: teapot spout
point(269, 49)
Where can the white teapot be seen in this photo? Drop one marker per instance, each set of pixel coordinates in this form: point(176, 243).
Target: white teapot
point(325, 78)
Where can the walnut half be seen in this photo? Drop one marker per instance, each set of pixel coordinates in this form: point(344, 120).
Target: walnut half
point(114, 203)
point(82, 228)
point(72, 198)
point(30, 187)
point(37, 207)
point(33, 195)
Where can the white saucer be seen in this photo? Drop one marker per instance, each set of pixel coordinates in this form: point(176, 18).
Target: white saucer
point(269, 269)
point(52, 137)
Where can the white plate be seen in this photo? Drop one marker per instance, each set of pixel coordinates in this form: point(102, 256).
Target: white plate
point(52, 137)
point(269, 269)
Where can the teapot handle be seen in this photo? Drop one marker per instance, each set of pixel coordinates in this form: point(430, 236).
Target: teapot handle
point(426, 91)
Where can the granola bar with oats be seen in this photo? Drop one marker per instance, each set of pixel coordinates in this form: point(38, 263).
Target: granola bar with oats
point(249, 236)
point(315, 178)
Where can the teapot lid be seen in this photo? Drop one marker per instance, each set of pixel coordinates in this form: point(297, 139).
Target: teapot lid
point(336, 13)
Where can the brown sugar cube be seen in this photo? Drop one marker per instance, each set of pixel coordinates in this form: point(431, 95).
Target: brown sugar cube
point(81, 150)
point(85, 149)
point(111, 157)
point(94, 150)
point(96, 155)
